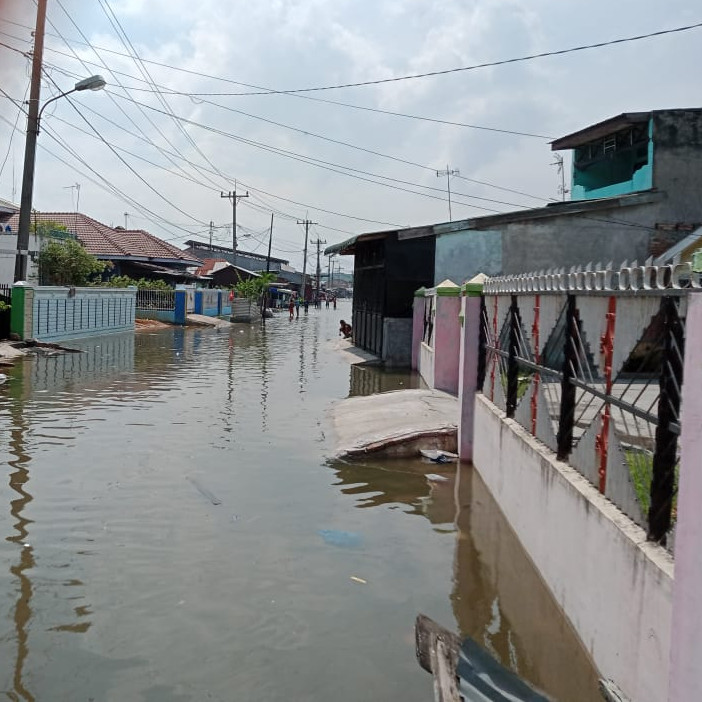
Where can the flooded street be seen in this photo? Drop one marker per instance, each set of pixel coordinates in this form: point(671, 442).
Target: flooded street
point(172, 530)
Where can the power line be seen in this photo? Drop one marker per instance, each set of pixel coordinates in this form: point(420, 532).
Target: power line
point(270, 91)
point(333, 167)
point(126, 42)
point(488, 64)
point(103, 64)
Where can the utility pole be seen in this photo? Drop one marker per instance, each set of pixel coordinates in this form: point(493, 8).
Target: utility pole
point(318, 243)
point(30, 148)
point(235, 199)
point(329, 272)
point(270, 243)
point(211, 232)
point(448, 173)
point(307, 223)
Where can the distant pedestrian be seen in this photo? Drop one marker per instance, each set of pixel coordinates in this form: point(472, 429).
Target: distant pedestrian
point(334, 300)
point(291, 307)
point(307, 305)
point(297, 307)
point(327, 301)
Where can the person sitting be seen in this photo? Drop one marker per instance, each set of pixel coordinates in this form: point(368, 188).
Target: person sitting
point(345, 329)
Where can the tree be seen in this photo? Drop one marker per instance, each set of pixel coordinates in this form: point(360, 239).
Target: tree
point(47, 228)
point(67, 263)
point(253, 288)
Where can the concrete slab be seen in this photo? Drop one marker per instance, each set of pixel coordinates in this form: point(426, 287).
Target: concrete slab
point(353, 354)
point(398, 423)
point(205, 321)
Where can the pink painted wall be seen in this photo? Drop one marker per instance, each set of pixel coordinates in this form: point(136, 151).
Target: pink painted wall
point(686, 647)
point(417, 329)
point(468, 372)
point(447, 343)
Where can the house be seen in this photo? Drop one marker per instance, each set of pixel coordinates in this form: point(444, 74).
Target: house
point(223, 274)
point(388, 267)
point(246, 260)
point(131, 252)
point(8, 245)
point(635, 186)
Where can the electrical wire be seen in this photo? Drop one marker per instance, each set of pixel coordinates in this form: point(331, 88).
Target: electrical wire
point(270, 91)
point(487, 64)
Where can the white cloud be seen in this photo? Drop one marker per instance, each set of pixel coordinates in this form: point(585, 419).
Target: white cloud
point(297, 43)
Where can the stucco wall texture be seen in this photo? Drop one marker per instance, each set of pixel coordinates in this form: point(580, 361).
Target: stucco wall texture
point(614, 586)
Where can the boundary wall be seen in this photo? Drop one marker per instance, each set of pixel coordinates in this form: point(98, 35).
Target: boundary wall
point(52, 313)
point(637, 610)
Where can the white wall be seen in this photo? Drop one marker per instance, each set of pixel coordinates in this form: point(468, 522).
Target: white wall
point(614, 586)
point(8, 247)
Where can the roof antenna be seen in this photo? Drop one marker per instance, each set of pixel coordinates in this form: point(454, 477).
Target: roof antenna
point(562, 190)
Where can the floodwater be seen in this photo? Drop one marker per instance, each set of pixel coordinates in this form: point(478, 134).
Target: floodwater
point(172, 531)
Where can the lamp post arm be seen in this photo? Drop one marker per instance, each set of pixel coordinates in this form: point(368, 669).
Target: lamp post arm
point(48, 102)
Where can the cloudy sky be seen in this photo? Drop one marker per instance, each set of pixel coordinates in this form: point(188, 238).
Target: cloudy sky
point(164, 158)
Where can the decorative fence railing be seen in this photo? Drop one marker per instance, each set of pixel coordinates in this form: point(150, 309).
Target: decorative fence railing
point(155, 299)
point(6, 293)
point(590, 363)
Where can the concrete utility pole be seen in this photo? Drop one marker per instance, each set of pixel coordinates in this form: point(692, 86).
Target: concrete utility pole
point(211, 231)
point(235, 200)
point(30, 148)
point(307, 223)
point(319, 242)
point(270, 243)
point(448, 173)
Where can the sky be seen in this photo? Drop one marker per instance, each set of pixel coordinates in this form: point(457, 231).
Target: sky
point(156, 160)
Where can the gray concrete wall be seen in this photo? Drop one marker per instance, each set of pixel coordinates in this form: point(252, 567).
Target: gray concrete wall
point(558, 242)
point(677, 164)
point(397, 342)
point(461, 255)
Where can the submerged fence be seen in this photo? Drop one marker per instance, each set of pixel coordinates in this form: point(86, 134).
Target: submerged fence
point(590, 363)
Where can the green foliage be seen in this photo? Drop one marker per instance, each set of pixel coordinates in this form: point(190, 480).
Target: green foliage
point(124, 281)
point(67, 263)
point(4, 307)
point(47, 227)
point(253, 288)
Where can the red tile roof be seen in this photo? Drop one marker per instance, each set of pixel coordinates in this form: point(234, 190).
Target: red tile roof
point(207, 265)
point(107, 242)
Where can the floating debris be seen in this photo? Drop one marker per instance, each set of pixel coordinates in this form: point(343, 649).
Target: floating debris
point(358, 580)
point(438, 456)
point(342, 539)
point(204, 491)
point(436, 478)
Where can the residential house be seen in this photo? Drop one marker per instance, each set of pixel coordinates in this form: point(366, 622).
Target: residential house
point(634, 193)
point(246, 260)
point(131, 252)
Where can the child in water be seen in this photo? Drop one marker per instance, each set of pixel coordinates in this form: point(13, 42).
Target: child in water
point(345, 329)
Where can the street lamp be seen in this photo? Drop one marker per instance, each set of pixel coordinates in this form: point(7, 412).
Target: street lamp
point(33, 120)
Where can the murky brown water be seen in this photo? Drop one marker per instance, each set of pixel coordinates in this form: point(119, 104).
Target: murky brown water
point(170, 533)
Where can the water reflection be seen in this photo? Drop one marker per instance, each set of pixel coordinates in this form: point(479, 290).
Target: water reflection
point(20, 570)
point(369, 379)
point(497, 598)
point(398, 483)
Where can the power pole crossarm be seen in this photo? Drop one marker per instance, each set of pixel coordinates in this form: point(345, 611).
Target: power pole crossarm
point(232, 195)
point(448, 172)
point(307, 224)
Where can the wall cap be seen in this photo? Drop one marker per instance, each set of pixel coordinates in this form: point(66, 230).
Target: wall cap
point(447, 289)
point(420, 292)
